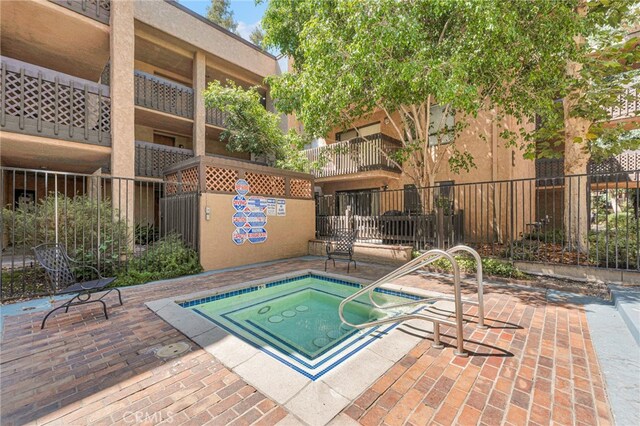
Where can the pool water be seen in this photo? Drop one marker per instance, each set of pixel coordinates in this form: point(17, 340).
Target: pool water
point(296, 320)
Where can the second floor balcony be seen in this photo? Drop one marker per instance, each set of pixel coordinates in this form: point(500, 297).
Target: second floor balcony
point(620, 168)
point(169, 97)
point(42, 102)
point(99, 10)
point(354, 156)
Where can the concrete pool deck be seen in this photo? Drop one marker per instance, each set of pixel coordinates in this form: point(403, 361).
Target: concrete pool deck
point(535, 364)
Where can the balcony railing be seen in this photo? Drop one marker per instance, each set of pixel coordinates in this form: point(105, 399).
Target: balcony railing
point(94, 9)
point(628, 105)
point(216, 117)
point(163, 95)
point(354, 156)
point(41, 102)
point(550, 171)
point(152, 159)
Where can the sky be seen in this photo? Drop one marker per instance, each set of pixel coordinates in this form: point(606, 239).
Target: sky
point(246, 13)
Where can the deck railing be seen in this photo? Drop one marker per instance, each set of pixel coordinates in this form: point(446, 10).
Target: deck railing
point(99, 10)
point(354, 156)
point(550, 171)
point(628, 105)
point(215, 117)
point(152, 159)
point(39, 101)
point(163, 95)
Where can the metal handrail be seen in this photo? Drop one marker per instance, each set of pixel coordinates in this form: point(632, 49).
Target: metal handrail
point(479, 280)
point(417, 263)
point(478, 260)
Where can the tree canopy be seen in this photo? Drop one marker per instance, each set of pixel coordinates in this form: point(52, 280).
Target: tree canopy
point(352, 58)
point(257, 36)
point(219, 12)
point(249, 127)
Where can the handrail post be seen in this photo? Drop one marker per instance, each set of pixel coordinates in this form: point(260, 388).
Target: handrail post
point(479, 279)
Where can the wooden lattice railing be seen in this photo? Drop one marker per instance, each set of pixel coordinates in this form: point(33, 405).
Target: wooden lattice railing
point(152, 159)
point(163, 95)
point(39, 101)
point(219, 175)
point(99, 10)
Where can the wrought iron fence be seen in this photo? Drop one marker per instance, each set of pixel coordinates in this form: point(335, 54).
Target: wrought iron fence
point(103, 221)
point(163, 95)
point(354, 156)
point(590, 219)
point(38, 101)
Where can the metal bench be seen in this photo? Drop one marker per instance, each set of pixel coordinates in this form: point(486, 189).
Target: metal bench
point(57, 264)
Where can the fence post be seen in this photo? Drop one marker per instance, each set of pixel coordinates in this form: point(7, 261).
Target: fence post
point(511, 212)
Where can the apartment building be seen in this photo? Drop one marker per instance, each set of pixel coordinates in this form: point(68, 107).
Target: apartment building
point(115, 87)
point(503, 197)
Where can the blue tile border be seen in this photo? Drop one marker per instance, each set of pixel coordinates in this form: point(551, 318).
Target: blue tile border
point(215, 297)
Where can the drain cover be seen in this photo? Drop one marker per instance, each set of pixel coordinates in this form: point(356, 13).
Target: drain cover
point(172, 350)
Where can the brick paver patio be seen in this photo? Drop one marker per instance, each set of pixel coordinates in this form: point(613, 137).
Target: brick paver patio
point(535, 364)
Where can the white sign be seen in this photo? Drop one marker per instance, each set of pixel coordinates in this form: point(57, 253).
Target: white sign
point(256, 204)
point(281, 207)
point(271, 206)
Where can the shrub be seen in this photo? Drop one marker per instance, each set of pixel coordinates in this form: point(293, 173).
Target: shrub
point(490, 267)
point(86, 227)
point(146, 234)
point(616, 248)
point(168, 258)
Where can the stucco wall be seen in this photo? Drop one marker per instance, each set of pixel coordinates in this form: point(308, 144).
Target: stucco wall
point(288, 236)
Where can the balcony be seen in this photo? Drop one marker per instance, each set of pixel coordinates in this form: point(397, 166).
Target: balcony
point(94, 9)
point(628, 105)
point(621, 168)
point(41, 102)
point(152, 159)
point(354, 156)
point(163, 95)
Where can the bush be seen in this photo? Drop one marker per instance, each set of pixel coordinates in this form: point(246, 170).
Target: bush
point(82, 224)
point(168, 258)
point(146, 234)
point(490, 267)
point(614, 248)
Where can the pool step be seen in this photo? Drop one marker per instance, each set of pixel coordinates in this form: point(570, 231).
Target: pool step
point(627, 303)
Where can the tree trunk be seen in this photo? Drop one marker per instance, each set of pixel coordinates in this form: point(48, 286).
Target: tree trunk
point(576, 189)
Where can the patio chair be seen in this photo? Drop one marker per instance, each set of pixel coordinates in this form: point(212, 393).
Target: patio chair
point(340, 247)
point(57, 264)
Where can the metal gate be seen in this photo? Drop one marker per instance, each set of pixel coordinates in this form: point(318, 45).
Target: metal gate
point(179, 214)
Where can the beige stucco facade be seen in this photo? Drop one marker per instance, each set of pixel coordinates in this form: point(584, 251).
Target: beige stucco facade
point(287, 236)
point(113, 47)
point(485, 214)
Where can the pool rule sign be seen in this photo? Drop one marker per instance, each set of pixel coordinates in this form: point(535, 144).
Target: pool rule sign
point(249, 217)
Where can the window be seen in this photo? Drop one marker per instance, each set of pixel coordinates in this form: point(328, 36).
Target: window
point(363, 202)
point(367, 130)
point(445, 187)
point(411, 199)
point(437, 125)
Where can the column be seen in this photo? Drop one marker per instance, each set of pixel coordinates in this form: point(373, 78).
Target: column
point(199, 111)
point(122, 40)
